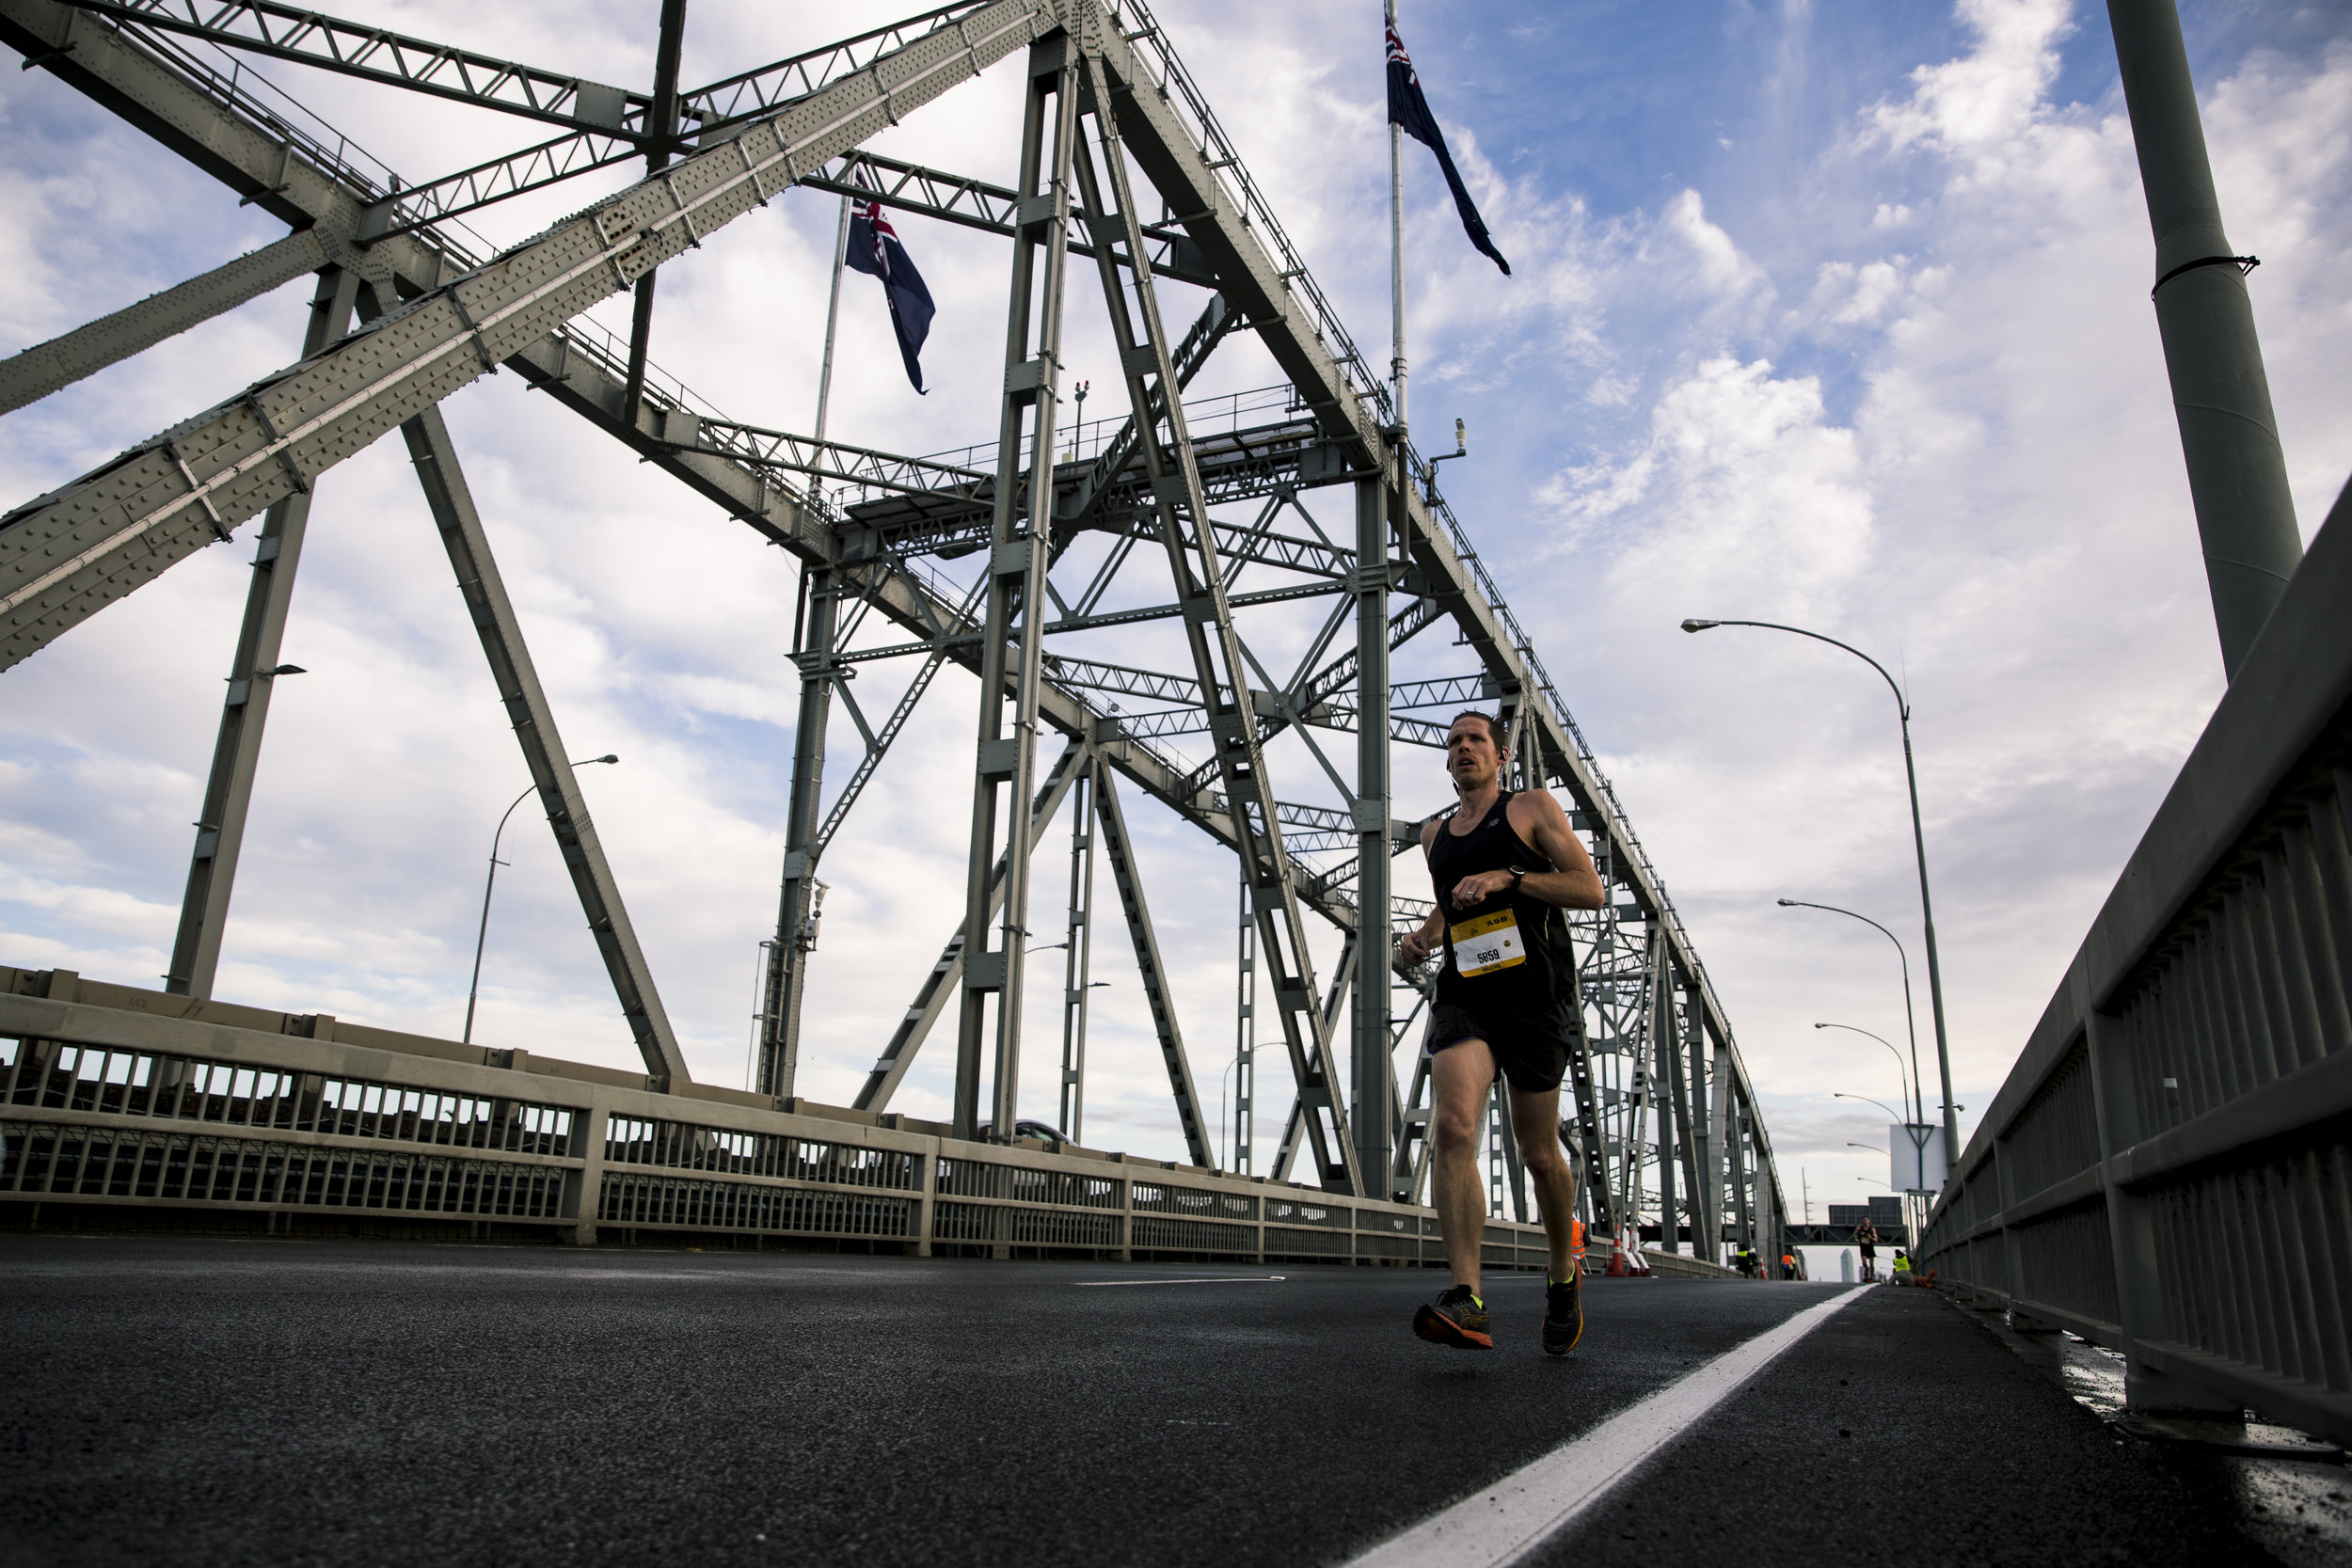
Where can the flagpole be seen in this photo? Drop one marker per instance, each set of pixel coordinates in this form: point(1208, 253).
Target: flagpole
point(1396, 244)
point(833, 319)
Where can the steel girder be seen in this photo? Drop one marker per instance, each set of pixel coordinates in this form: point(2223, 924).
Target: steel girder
point(63, 361)
point(64, 555)
point(379, 54)
point(1172, 135)
point(534, 719)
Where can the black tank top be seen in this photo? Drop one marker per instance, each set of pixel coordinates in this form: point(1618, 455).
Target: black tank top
point(1534, 980)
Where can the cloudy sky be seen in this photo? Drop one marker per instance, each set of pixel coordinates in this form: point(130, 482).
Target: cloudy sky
point(1830, 314)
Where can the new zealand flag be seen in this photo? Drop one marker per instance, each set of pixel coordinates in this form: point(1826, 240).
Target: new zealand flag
point(874, 248)
point(1408, 109)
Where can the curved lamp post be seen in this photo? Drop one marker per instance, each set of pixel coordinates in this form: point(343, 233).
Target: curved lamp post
point(483, 931)
point(1909, 1023)
point(1918, 843)
point(1908, 1088)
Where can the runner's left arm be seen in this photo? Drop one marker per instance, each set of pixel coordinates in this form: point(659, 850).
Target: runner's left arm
point(1572, 884)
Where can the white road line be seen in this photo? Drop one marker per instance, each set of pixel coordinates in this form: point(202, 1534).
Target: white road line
point(1500, 1523)
point(1222, 1279)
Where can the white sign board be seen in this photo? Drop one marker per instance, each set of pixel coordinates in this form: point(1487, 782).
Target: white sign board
point(1916, 1150)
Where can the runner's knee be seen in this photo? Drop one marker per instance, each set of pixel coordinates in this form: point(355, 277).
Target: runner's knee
point(1452, 1131)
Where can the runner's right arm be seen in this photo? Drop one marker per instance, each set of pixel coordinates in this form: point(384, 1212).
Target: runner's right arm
point(1419, 944)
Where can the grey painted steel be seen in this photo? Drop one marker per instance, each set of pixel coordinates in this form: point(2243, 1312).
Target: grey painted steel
point(1010, 655)
point(1078, 954)
point(2168, 1168)
point(786, 977)
point(1127, 878)
point(1373, 1073)
point(710, 110)
point(66, 554)
point(944, 982)
point(1146, 358)
point(1234, 235)
point(45, 368)
point(378, 55)
point(244, 711)
point(2237, 474)
point(534, 719)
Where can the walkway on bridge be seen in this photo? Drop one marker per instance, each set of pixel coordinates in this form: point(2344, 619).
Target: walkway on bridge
point(200, 1401)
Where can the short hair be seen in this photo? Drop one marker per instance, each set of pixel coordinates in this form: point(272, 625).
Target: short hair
point(1493, 724)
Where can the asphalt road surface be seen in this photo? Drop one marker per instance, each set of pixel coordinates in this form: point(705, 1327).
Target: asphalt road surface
point(197, 1402)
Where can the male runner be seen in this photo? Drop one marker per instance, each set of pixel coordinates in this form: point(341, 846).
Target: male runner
point(1503, 865)
point(1866, 1235)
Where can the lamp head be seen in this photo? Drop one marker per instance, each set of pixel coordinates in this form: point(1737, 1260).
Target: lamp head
point(1786, 903)
point(1694, 624)
point(607, 757)
point(1461, 436)
point(281, 670)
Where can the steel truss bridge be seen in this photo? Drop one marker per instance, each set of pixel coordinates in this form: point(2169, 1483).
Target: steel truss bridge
point(1041, 561)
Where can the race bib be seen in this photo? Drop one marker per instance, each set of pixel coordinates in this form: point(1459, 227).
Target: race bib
point(1487, 944)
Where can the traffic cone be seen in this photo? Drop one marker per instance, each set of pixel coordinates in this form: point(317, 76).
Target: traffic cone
point(1617, 1269)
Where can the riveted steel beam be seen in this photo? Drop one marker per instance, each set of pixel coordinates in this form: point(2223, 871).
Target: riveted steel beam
point(107, 533)
point(61, 361)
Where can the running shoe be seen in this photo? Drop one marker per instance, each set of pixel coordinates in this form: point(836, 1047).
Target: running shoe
point(1563, 1313)
point(1456, 1318)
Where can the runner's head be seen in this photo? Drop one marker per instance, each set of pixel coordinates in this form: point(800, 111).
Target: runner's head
point(1474, 750)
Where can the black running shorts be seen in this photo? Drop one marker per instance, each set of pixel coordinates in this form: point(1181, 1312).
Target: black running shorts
point(1531, 1048)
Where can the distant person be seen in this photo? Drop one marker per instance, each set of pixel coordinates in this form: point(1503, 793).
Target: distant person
point(1787, 1265)
point(1504, 864)
point(1866, 1238)
point(1902, 1267)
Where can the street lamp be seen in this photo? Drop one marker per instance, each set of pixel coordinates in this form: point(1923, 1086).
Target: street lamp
point(1919, 843)
point(1909, 1089)
point(1909, 1023)
point(483, 931)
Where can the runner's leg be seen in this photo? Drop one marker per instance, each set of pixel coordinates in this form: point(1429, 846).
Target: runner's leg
point(1535, 1117)
point(1460, 1075)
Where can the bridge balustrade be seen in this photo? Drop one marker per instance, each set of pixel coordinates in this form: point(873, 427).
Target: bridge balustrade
point(2167, 1170)
point(123, 1107)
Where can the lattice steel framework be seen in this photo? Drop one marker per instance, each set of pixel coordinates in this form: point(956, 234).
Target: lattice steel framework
point(1017, 560)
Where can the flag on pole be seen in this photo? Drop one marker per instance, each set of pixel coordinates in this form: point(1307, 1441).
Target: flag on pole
point(874, 248)
point(1410, 111)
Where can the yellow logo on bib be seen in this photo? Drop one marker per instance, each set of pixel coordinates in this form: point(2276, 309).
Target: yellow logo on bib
point(1487, 944)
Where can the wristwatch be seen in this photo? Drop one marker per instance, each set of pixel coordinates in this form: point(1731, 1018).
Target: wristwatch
point(1518, 875)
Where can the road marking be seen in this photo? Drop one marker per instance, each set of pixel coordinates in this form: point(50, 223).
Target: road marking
point(1501, 1523)
point(1221, 1279)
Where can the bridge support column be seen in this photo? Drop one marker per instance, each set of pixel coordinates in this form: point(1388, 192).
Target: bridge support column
point(796, 916)
point(1672, 1129)
point(583, 1194)
point(1156, 400)
point(1078, 952)
point(237, 750)
point(1376, 1133)
point(1010, 653)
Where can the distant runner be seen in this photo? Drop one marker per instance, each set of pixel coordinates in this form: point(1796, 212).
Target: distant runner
point(1866, 1235)
point(1501, 864)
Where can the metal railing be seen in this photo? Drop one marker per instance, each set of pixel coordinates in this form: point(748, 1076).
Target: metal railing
point(2167, 1170)
point(120, 1106)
